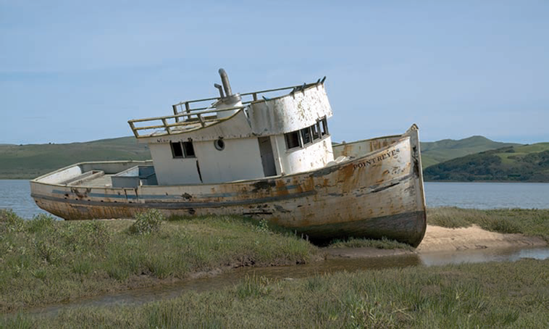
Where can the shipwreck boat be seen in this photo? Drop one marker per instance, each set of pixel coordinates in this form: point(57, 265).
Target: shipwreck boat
point(266, 154)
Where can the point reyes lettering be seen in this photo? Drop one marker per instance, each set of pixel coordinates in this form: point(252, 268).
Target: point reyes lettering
point(377, 159)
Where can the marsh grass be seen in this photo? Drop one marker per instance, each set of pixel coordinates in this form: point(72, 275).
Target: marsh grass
point(254, 286)
point(384, 243)
point(533, 222)
point(492, 295)
point(47, 261)
point(147, 222)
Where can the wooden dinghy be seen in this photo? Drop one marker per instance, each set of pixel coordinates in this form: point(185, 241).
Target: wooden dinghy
point(269, 159)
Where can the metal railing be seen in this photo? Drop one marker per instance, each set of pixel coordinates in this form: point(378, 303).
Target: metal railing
point(191, 119)
point(185, 115)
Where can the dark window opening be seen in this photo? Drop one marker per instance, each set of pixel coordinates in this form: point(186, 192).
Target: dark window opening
point(292, 140)
point(306, 135)
point(182, 150)
point(189, 149)
point(315, 129)
point(177, 150)
point(324, 127)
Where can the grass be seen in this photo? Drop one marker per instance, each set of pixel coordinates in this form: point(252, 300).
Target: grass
point(368, 243)
point(493, 295)
point(531, 222)
point(45, 261)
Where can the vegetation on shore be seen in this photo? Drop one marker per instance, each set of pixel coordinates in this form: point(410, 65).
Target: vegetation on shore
point(530, 222)
point(493, 295)
point(525, 163)
point(369, 243)
point(45, 261)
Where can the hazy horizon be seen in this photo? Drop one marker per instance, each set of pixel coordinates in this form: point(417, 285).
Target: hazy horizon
point(334, 140)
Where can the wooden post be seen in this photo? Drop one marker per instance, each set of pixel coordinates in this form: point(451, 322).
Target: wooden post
point(175, 112)
point(166, 126)
point(133, 129)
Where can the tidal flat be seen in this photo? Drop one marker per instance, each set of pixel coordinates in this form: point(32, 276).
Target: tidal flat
point(44, 261)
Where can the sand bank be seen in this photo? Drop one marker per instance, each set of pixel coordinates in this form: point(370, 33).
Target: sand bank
point(455, 239)
point(441, 239)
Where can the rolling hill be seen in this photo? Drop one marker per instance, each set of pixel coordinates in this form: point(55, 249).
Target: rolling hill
point(523, 163)
point(447, 149)
point(29, 161)
point(33, 160)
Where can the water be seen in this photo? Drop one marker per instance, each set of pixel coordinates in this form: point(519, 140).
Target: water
point(234, 277)
point(488, 195)
point(15, 194)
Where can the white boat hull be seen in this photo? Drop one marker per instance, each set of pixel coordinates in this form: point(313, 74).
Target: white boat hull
point(377, 192)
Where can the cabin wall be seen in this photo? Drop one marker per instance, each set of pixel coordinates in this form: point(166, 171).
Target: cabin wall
point(312, 156)
point(170, 171)
point(240, 159)
point(293, 112)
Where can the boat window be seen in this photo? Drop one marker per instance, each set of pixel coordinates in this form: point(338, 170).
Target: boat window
point(324, 127)
point(292, 140)
point(306, 135)
point(315, 129)
point(177, 150)
point(219, 144)
point(189, 149)
point(182, 150)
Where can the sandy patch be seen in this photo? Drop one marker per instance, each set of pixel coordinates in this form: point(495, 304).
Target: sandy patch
point(454, 239)
point(441, 239)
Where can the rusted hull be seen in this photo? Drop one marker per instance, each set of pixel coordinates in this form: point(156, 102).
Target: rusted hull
point(377, 192)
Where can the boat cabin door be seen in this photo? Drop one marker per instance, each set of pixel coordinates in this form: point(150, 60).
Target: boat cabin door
point(267, 157)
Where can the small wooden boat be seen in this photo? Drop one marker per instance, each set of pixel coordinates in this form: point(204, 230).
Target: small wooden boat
point(270, 157)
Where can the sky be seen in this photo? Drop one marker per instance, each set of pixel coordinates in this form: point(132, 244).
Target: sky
point(74, 71)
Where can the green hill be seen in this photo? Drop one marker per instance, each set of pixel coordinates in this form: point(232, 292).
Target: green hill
point(447, 149)
point(30, 161)
point(524, 163)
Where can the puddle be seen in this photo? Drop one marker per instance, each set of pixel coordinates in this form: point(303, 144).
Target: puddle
point(231, 278)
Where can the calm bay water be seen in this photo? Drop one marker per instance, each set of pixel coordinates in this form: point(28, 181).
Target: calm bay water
point(488, 195)
point(15, 194)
